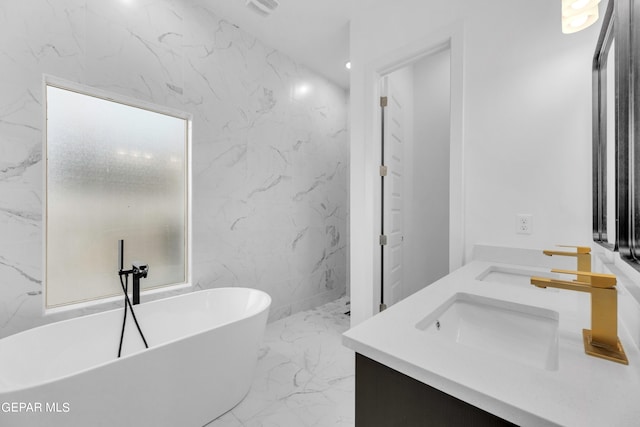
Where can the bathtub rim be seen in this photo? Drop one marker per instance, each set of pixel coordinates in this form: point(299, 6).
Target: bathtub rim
point(258, 312)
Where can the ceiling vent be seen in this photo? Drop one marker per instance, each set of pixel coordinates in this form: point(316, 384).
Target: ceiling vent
point(263, 7)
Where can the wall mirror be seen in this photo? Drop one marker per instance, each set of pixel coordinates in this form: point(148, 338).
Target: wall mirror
point(619, 25)
point(604, 135)
point(116, 168)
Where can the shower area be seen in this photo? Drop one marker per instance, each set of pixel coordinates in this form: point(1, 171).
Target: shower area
point(269, 148)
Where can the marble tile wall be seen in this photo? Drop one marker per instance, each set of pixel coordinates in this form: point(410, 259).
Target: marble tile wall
point(269, 144)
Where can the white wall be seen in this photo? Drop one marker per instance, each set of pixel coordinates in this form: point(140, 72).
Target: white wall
point(269, 144)
point(526, 122)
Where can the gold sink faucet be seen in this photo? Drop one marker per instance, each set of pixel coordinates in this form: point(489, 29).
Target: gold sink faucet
point(602, 339)
point(582, 253)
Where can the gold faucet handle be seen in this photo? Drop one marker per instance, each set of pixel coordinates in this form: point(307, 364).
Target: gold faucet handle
point(579, 249)
point(598, 280)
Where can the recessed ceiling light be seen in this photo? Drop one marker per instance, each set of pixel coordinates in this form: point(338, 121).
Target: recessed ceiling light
point(347, 65)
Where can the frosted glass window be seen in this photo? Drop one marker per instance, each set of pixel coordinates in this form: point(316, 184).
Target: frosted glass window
point(114, 171)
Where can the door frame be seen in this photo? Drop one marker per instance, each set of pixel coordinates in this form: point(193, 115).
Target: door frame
point(365, 294)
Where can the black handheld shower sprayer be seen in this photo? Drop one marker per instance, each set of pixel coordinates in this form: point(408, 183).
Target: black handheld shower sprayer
point(138, 270)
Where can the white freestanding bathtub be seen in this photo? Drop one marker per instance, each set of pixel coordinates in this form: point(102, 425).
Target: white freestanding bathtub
point(200, 363)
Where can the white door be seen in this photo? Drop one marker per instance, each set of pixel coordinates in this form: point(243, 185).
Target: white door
point(392, 194)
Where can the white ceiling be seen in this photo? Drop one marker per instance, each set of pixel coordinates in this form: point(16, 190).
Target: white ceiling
point(314, 33)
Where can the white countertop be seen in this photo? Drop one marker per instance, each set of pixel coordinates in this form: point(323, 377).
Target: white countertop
point(583, 391)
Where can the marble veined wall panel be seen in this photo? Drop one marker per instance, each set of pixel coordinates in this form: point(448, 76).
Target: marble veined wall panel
point(269, 144)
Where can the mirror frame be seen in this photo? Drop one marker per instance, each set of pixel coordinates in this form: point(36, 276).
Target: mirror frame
point(628, 128)
point(599, 131)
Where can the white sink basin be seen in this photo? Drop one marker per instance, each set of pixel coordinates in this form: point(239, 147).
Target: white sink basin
point(525, 334)
point(516, 276)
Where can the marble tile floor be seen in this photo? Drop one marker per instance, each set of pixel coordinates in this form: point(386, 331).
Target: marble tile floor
point(304, 377)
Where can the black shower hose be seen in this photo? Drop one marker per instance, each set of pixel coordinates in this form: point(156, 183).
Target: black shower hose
point(127, 302)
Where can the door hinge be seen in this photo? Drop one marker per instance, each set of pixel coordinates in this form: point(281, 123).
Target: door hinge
point(383, 170)
point(383, 101)
point(383, 240)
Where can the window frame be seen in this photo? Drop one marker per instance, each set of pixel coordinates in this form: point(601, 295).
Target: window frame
point(56, 82)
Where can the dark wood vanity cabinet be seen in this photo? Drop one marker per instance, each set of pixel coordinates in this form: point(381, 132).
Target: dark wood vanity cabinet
point(388, 398)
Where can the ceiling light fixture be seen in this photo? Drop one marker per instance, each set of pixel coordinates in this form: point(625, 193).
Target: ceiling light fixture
point(578, 14)
point(347, 65)
point(263, 7)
